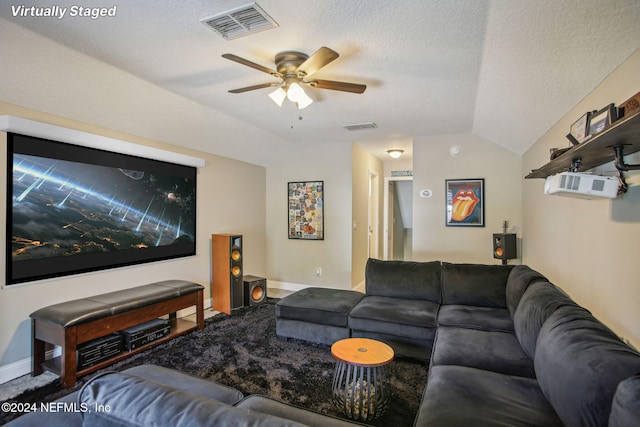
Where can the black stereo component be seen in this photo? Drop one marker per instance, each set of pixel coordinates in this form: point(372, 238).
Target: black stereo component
point(95, 351)
point(145, 333)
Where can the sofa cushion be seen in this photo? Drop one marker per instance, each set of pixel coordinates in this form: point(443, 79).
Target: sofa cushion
point(403, 279)
point(190, 383)
point(135, 401)
point(459, 396)
point(625, 410)
point(475, 284)
point(472, 317)
point(489, 350)
point(579, 363)
point(270, 406)
point(520, 277)
point(538, 302)
point(413, 318)
point(319, 305)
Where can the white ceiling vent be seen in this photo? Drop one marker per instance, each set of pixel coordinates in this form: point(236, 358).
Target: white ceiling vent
point(360, 126)
point(240, 22)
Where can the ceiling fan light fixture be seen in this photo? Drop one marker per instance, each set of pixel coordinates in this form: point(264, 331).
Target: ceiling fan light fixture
point(296, 94)
point(304, 101)
point(278, 96)
point(395, 153)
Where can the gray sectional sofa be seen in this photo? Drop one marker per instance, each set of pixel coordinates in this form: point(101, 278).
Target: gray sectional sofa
point(505, 346)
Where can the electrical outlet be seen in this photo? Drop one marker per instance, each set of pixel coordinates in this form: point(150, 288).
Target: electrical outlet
point(319, 271)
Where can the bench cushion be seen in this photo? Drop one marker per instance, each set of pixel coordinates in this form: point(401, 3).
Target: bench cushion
point(319, 305)
point(83, 310)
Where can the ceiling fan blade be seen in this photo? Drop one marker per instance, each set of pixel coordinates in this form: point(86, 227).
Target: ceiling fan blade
point(248, 63)
point(260, 86)
point(341, 86)
point(319, 59)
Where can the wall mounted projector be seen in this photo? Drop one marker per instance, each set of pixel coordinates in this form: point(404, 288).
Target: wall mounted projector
point(581, 185)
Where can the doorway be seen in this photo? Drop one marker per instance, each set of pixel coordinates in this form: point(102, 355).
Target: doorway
point(398, 218)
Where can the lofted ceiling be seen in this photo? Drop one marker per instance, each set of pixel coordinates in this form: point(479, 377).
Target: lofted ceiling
point(505, 70)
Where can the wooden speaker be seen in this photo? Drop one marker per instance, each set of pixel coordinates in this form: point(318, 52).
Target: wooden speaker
point(504, 246)
point(255, 290)
point(227, 287)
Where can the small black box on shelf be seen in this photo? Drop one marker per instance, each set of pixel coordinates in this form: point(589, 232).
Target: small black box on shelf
point(98, 350)
point(147, 332)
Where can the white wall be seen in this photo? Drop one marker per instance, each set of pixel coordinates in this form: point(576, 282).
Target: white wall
point(293, 262)
point(589, 248)
point(432, 164)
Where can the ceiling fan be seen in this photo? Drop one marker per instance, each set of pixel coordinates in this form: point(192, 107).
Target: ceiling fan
point(294, 69)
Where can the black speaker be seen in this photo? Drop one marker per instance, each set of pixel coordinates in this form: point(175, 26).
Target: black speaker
point(504, 246)
point(255, 290)
point(227, 288)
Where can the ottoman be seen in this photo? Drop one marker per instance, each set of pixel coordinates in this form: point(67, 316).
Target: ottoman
point(318, 315)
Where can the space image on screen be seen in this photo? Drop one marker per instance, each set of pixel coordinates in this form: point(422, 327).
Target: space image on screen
point(73, 209)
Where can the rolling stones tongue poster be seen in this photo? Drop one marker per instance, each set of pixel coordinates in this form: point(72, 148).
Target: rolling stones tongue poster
point(465, 202)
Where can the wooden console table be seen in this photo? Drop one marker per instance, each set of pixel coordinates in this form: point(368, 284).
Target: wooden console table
point(75, 322)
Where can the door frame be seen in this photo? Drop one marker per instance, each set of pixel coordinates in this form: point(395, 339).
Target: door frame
point(386, 214)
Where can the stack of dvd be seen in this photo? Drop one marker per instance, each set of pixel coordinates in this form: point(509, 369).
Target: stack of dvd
point(145, 333)
point(92, 352)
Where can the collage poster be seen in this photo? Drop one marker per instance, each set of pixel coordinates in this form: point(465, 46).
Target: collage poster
point(306, 217)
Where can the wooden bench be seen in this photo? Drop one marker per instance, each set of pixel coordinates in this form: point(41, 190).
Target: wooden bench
point(72, 323)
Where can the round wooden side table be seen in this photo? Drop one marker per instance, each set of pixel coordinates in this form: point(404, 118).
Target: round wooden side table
point(359, 380)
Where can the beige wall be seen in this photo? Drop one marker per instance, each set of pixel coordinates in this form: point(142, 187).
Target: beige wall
point(364, 163)
point(432, 164)
point(225, 188)
point(589, 248)
point(293, 262)
point(46, 81)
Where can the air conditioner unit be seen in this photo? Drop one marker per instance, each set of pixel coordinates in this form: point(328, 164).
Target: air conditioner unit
point(581, 185)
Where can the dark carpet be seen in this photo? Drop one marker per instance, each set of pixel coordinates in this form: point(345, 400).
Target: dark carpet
point(243, 351)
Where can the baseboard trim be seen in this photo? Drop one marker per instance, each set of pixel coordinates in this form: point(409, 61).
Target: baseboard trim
point(286, 286)
point(22, 367)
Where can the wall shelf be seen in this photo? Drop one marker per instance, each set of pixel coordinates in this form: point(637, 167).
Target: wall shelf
point(597, 150)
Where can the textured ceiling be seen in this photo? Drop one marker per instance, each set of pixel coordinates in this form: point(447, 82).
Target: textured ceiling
point(505, 70)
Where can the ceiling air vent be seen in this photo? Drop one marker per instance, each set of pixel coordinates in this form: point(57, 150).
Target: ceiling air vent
point(360, 126)
point(240, 22)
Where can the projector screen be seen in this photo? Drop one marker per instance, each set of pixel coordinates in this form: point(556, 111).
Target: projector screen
point(74, 209)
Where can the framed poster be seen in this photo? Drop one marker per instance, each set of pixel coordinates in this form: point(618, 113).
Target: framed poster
point(465, 202)
point(306, 210)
